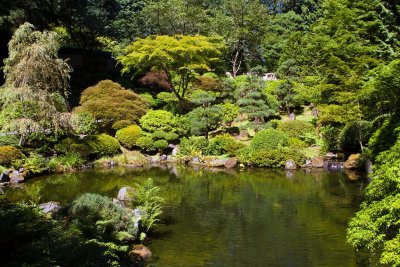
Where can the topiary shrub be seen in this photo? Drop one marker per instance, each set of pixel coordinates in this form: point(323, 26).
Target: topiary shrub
point(98, 217)
point(160, 145)
point(269, 139)
point(223, 144)
point(145, 143)
point(275, 158)
point(9, 154)
point(103, 145)
point(296, 143)
point(171, 136)
point(157, 135)
point(127, 136)
point(158, 120)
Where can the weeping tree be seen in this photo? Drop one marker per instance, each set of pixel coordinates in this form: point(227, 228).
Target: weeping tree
point(32, 99)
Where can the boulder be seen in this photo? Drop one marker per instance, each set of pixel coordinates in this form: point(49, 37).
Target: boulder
point(140, 254)
point(163, 157)
point(353, 162)
point(50, 207)
point(217, 163)
point(16, 177)
point(231, 163)
point(175, 151)
point(317, 162)
point(290, 165)
point(125, 193)
point(196, 160)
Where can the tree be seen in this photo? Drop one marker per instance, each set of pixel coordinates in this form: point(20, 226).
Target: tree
point(33, 96)
point(204, 119)
point(180, 57)
point(252, 101)
point(109, 102)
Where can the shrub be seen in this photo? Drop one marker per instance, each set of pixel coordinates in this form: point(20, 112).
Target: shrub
point(35, 163)
point(223, 144)
point(64, 145)
point(145, 143)
point(160, 144)
point(69, 161)
point(9, 154)
point(9, 140)
point(296, 128)
point(296, 143)
point(118, 125)
point(171, 136)
point(275, 158)
point(192, 146)
point(83, 123)
point(158, 120)
point(98, 217)
point(330, 136)
point(103, 145)
point(128, 136)
point(157, 135)
point(269, 139)
point(353, 134)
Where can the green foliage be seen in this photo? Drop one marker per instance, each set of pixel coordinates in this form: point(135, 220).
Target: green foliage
point(353, 136)
point(275, 158)
point(269, 139)
point(384, 136)
point(204, 119)
point(32, 99)
point(102, 145)
point(375, 226)
point(192, 146)
point(296, 143)
point(180, 57)
point(127, 136)
point(296, 128)
point(146, 143)
point(158, 120)
point(160, 144)
point(147, 200)
point(32, 239)
point(98, 217)
point(118, 125)
point(9, 155)
point(330, 136)
point(223, 145)
point(35, 164)
point(68, 162)
point(83, 123)
point(9, 140)
point(109, 102)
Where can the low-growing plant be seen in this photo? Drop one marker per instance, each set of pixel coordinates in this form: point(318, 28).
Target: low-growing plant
point(269, 139)
point(147, 200)
point(9, 155)
point(35, 164)
point(69, 161)
point(83, 123)
point(128, 136)
point(275, 158)
point(9, 140)
point(160, 145)
point(192, 146)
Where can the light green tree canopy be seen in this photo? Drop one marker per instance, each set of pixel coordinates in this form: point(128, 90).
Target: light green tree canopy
point(180, 57)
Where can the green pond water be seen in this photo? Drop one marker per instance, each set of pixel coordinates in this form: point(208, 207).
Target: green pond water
point(254, 217)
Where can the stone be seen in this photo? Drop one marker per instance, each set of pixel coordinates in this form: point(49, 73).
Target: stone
point(290, 165)
point(175, 151)
point(50, 207)
point(163, 157)
point(125, 193)
point(231, 163)
point(353, 162)
point(16, 177)
point(243, 135)
point(216, 163)
point(140, 254)
point(317, 162)
point(292, 117)
point(196, 160)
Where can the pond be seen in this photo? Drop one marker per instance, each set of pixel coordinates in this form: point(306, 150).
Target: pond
point(253, 217)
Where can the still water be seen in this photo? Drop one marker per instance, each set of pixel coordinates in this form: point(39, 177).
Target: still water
point(254, 217)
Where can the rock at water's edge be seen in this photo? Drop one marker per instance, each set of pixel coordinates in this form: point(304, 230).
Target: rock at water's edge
point(231, 163)
point(125, 193)
point(353, 162)
point(140, 254)
point(290, 165)
point(50, 207)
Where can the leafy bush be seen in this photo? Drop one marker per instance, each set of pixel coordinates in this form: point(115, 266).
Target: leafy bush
point(223, 144)
point(192, 146)
point(353, 134)
point(330, 136)
point(384, 136)
point(35, 163)
point(158, 120)
point(171, 136)
point(98, 217)
point(145, 143)
point(296, 143)
point(160, 144)
point(9, 154)
point(128, 136)
point(83, 123)
point(71, 145)
point(269, 139)
point(147, 199)
point(157, 135)
point(103, 145)
point(275, 158)
point(9, 140)
point(296, 128)
point(69, 161)
point(118, 125)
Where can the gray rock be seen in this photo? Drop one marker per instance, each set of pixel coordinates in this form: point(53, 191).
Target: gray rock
point(16, 177)
point(163, 157)
point(175, 151)
point(50, 207)
point(290, 165)
point(125, 193)
point(231, 163)
point(217, 163)
point(196, 160)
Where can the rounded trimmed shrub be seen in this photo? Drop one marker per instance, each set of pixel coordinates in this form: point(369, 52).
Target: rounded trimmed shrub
point(103, 145)
point(127, 136)
point(171, 136)
point(145, 143)
point(158, 120)
point(223, 144)
point(269, 139)
point(9, 154)
point(160, 144)
point(157, 135)
point(275, 158)
point(296, 128)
